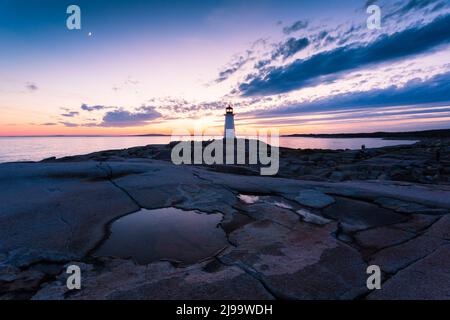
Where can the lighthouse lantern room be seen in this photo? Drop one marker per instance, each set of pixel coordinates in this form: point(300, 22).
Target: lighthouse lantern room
point(229, 124)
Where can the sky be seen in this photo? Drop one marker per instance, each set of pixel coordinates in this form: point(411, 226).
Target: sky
point(140, 67)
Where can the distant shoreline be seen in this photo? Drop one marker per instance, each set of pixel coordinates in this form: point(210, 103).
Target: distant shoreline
point(441, 133)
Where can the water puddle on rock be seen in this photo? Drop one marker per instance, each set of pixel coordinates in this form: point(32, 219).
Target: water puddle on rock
point(248, 199)
point(270, 200)
point(165, 234)
point(361, 214)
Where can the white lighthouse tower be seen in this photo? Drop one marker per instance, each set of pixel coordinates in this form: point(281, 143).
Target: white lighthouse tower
point(229, 124)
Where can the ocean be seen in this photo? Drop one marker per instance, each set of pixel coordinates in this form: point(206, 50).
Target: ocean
point(38, 148)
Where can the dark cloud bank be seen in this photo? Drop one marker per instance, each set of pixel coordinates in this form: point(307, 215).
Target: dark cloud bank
point(123, 118)
point(326, 66)
point(117, 118)
point(435, 90)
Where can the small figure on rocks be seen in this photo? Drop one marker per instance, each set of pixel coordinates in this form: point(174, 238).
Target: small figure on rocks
point(362, 153)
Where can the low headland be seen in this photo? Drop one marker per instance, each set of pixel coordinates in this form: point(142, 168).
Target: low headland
point(413, 135)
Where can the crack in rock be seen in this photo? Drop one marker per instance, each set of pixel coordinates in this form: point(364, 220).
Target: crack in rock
point(109, 175)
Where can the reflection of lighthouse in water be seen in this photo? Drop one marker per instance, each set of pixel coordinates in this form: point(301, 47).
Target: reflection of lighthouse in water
point(229, 124)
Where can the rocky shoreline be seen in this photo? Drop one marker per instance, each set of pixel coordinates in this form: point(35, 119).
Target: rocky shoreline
point(308, 233)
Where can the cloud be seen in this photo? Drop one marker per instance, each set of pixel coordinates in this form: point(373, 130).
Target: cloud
point(123, 118)
point(183, 108)
point(131, 81)
point(91, 108)
point(369, 2)
point(438, 6)
point(234, 66)
point(69, 124)
point(435, 90)
point(49, 124)
point(298, 25)
point(262, 63)
point(284, 49)
point(415, 5)
point(361, 120)
point(31, 86)
point(326, 66)
point(405, 7)
point(70, 114)
point(290, 47)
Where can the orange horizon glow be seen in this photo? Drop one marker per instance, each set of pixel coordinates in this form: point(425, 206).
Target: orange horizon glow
point(321, 127)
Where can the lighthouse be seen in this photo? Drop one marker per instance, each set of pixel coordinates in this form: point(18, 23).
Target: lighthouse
point(228, 132)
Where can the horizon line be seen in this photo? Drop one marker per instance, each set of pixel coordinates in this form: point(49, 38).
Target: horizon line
point(168, 135)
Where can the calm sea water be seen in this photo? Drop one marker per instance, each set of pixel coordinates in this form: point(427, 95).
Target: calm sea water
point(38, 148)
